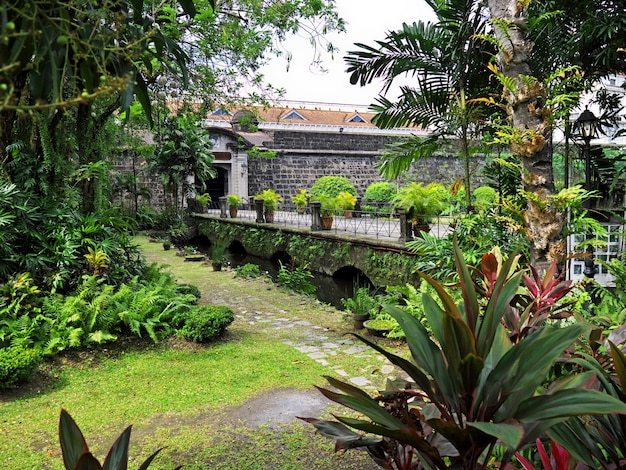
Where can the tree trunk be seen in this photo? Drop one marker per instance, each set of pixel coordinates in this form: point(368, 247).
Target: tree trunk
point(530, 121)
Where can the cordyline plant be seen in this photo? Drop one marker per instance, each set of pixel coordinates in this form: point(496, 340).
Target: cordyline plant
point(599, 441)
point(473, 387)
point(76, 454)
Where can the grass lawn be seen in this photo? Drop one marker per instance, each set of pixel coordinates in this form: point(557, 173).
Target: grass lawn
point(178, 394)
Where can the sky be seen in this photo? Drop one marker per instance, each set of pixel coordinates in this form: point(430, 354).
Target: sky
point(366, 22)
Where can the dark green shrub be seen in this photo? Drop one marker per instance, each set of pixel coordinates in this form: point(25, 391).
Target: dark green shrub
point(186, 289)
point(382, 191)
point(205, 323)
point(331, 186)
point(248, 270)
point(17, 364)
point(296, 279)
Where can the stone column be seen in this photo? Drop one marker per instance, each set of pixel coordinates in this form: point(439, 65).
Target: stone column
point(406, 227)
point(316, 221)
point(258, 205)
point(223, 202)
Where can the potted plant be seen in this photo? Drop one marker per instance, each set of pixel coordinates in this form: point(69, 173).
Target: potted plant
point(234, 201)
point(421, 204)
point(199, 203)
point(360, 305)
point(167, 244)
point(301, 200)
point(328, 208)
point(271, 200)
point(217, 255)
point(346, 202)
point(380, 326)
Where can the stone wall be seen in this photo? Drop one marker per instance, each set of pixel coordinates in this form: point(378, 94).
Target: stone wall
point(303, 157)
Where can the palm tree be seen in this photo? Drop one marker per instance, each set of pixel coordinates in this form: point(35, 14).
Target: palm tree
point(448, 64)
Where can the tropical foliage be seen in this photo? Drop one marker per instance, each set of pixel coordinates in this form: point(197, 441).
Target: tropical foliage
point(473, 387)
point(446, 63)
point(76, 453)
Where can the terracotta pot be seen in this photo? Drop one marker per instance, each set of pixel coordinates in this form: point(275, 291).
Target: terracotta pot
point(269, 216)
point(327, 222)
point(419, 228)
point(347, 214)
point(233, 211)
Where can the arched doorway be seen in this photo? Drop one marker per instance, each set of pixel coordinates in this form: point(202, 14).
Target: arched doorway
point(218, 186)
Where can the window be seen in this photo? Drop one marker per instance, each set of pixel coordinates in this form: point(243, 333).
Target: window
point(220, 112)
point(356, 118)
point(295, 115)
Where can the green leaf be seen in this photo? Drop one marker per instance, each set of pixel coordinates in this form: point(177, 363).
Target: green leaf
point(149, 460)
point(344, 437)
point(570, 402)
point(619, 362)
point(117, 458)
point(73, 444)
point(422, 381)
point(359, 401)
point(509, 434)
point(425, 353)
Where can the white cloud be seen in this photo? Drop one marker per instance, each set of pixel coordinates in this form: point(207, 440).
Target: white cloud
point(367, 21)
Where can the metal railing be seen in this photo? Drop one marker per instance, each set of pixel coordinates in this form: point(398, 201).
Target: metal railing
point(375, 224)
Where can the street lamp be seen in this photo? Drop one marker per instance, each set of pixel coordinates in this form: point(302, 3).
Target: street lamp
point(586, 124)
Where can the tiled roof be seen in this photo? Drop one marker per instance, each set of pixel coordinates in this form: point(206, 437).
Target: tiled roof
point(312, 116)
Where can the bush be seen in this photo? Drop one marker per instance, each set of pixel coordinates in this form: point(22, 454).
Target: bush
point(185, 289)
point(17, 364)
point(248, 270)
point(205, 323)
point(484, 197)
point(331, 186)
point(296, 279)
point(382, 191)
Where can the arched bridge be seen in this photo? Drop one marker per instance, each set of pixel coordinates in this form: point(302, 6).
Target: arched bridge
point(351, 248)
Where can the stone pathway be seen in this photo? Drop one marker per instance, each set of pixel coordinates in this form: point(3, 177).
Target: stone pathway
point(326, 348)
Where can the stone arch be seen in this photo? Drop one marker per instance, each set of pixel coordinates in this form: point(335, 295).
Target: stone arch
point(281, 257)
point(353, 274)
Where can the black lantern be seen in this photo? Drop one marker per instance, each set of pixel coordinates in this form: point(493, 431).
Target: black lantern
point(586, 124)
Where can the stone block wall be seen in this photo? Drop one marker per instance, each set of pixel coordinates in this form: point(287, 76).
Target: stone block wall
point(303, 157)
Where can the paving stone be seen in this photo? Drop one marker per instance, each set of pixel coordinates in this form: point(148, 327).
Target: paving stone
point(387, 369)
point(341, 372)
point(307, 349)
point(360, 381)
point(356, 349)
point(345, 341)
point(322, 362)
point(317, 355)
point(329, 346)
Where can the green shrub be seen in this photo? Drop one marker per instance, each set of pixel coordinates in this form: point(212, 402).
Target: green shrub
point(17, 364)
point(484, 197)
point(382, 191)
point(188, 289)
point(296, 279)
point(331, 186)
point(248, 270)
point(205, 323)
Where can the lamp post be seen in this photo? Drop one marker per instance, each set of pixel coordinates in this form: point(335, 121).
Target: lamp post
point(586, 125)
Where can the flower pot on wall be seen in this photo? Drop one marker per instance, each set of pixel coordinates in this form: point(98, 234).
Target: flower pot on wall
point(233, 211)
point(269, 216)
point(418, 228)
point(326, 222)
